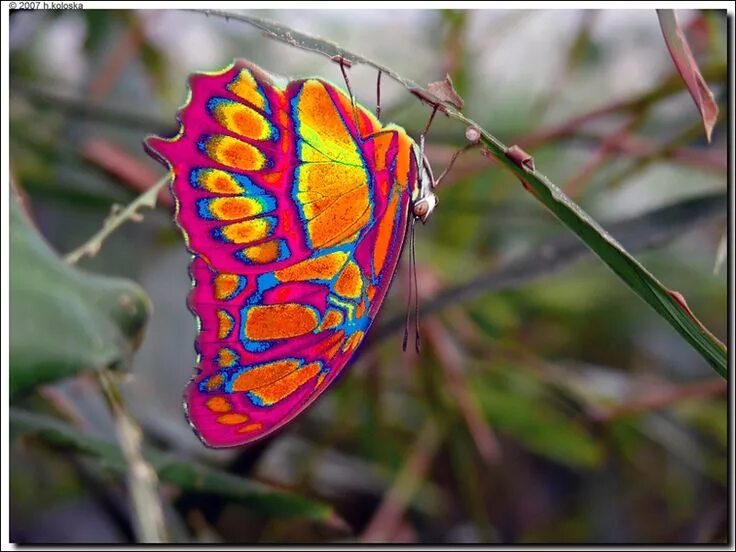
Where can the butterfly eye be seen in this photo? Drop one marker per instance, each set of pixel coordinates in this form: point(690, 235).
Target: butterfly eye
point(423, 207)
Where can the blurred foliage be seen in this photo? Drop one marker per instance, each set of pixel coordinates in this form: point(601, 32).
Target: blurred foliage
point(544, 408)
point(88, 322)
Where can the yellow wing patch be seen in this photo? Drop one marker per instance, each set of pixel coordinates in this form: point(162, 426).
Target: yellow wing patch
point(234, 153)
point(241, 119)
point(266, 252)
point(248, 231)
point(246, 87)
point(321, 125)
point(218, 181)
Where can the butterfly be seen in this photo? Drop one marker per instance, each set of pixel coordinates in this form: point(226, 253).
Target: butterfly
point(295, 203)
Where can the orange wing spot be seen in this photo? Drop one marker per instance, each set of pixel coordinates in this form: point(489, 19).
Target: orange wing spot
point(248, 231)
point(241, 119)
point(320, 379)
point(361, 309)
point(322, 180)
point(273, 177)
point(218, 404)
point(332, 345)
point(250, 427)
point(384, 234)
point(381, 144)
point(226, 285)
point(322, 126)
point(218, 181)
point(226, 357)
point(231, 152)
point(266, 252)
point(245, 86)
point(343, 219)
point(264, 374)
point(350, 281)
point(353, 341)
point(224, 324)
point(332, 319)
point(234, 208)
point(232, 419)
point(317, 268)
point(370, 292)
point(279, 321)
point(214, 382)
point(367, 122)
point(282, 388)
point(347, 239)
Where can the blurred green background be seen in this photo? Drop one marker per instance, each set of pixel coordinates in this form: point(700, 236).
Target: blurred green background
point(549, 403)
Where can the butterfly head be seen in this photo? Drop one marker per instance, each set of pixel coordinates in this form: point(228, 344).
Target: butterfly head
point(425, 200)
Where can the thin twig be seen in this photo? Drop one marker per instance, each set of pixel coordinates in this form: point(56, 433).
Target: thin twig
point(388, 516)
point(142, 479)
point(451, 360)
point(121, 54)
point(606, 148)
point(660, 399)
point(92, 246)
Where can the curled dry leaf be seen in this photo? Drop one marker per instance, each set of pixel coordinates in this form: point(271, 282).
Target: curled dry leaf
point(445, 91)
point(438, 94)
point(683, 58)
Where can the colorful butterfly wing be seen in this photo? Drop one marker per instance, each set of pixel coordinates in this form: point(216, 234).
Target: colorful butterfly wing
point(296, 223)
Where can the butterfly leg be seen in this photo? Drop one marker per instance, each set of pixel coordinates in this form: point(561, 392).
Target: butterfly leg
point(343, 63)
point(454, 158)
point(425, 130)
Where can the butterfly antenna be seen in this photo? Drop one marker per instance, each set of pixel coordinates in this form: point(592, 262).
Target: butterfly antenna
point(343, 64)
point(417, 338)
point(378, 95)
point(412, 279)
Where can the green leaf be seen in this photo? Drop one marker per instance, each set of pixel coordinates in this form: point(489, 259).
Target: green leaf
point(63, 320)
point(520, 412)
point(185, 473)
point(669, 304)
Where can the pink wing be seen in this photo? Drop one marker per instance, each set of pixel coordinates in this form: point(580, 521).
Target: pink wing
point(296, 222)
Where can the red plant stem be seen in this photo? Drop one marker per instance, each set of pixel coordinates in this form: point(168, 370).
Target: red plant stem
point(121, 55)
point(661, 398)
point(387, 519)
point(452, 363)
point(605, 149)
point(122, 166)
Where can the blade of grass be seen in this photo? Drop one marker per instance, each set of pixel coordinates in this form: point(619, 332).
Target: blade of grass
point(668, 303)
